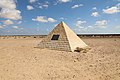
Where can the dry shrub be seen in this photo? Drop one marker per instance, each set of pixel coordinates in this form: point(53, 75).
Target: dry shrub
point(78, 49)
point(24, 37)
point(35, 37)
point(84, 50)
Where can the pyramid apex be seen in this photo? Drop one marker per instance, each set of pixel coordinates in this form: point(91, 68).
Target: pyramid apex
point(62, 22)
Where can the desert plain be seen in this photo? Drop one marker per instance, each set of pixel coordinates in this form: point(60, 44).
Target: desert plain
point(21, 60)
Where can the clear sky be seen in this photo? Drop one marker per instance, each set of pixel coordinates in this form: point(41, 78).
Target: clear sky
point(24, 17)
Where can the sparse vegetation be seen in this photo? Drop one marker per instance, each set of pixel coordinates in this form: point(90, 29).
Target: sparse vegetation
point(84, 50)
point(24, 37)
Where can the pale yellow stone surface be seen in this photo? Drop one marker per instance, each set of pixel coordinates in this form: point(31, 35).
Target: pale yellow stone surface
point(68, 40)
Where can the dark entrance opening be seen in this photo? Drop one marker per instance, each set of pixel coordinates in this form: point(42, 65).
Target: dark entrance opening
point(55, 37)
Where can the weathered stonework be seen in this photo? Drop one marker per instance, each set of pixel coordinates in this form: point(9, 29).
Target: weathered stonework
point(67, 41)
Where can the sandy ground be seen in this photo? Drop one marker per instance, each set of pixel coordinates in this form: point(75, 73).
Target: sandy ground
point(19, 60)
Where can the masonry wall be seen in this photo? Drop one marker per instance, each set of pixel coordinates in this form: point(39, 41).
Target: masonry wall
point(60, 44)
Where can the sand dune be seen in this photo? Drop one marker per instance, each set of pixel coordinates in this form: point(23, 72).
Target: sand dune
point(19, 60)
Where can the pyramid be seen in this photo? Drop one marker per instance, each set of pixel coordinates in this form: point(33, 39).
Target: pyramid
point(62, 38)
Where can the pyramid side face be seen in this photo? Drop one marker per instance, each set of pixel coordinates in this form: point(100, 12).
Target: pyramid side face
point(61, 44)
point(73, 39)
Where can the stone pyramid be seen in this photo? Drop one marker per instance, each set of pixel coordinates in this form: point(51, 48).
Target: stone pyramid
point(62, 38)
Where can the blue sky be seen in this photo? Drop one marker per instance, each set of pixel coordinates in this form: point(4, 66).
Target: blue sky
point(37, 17)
